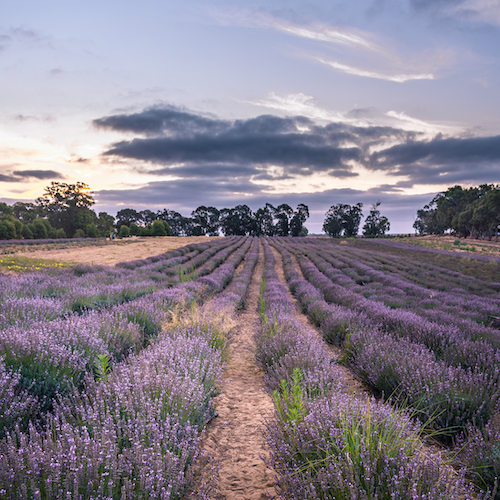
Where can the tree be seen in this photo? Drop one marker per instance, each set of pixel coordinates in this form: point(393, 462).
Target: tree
point(135, 230)
point(205, 221)
point(299, 217)
point(28, 212)
point(7, 229)
point(426, 221)
point(127, 216)
point(124, 231)
point(27, 233)
point(465, 212)
point(486, 214)
point(159, 228)
point(376, 224)
point(179, 225)
point(39, 229)
point(105, 224)
point(147, 217)
point(263, 221)
point(237, 220)
point(283, 213)
point(343, 219)
point(5, 209)
point(67, 205)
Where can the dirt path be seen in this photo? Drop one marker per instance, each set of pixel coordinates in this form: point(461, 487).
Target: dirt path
point(235, 437)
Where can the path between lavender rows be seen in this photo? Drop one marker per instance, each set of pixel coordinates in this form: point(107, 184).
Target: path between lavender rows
point(235, 438)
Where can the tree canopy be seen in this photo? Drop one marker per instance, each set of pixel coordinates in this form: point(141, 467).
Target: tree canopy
point(473, 212)
point(375, 223)
point(343, 220)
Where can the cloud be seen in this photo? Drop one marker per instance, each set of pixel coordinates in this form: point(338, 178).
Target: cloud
point(10, 36)
point(321, 33)
point(28, 118)
point(38, 174)
point(304, 105)
point(440, 152)
point(175, 136)
point(399, 78)
point(165, 120)
point(442, 161)
point(468, 11)
point(22, 175)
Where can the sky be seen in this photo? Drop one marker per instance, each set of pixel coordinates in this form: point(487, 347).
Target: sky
point(178, 104)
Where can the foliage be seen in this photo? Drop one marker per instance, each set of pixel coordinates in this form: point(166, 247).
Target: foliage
point(289, 400)
point(124, 231)
point(466, 212)
point(375, 224)
point(343, 220)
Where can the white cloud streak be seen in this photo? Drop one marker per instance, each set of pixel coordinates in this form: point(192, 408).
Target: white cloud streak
point(399, 78)
point(325, 34)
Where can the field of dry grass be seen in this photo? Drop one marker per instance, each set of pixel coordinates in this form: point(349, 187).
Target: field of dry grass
point(112, 252)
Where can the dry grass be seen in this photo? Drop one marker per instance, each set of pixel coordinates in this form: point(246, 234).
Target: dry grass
point(113, 252)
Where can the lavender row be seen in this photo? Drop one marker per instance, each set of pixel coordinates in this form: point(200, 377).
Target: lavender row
point(430, 275)
point(133, 434)
point(284, 344)
point(166, 259)
point(328, 444)
point(46, 296)
point(202, 259)
point(355, 270)
point(157, 402)
point(50, 353)
point(399, 362)
point(379, 285)
point(470, 349)
point(235, 292)
point(83, 288)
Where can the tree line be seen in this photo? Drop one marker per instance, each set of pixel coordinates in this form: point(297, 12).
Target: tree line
point(282, 220)
point(64, 211)
point(470, 212)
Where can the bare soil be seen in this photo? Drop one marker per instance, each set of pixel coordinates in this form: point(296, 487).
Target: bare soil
point(116, 251)
point(235, 438)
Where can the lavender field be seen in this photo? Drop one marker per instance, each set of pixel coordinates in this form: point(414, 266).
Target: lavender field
point(110, 376)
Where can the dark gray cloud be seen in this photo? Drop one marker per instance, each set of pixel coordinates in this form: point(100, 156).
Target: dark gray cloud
point(174, 135)
point(164, 120)
point(212, 171)
point(38, 174)
point(442, 161)
point(22, 175)
point(439, 152)
point(9, 178)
